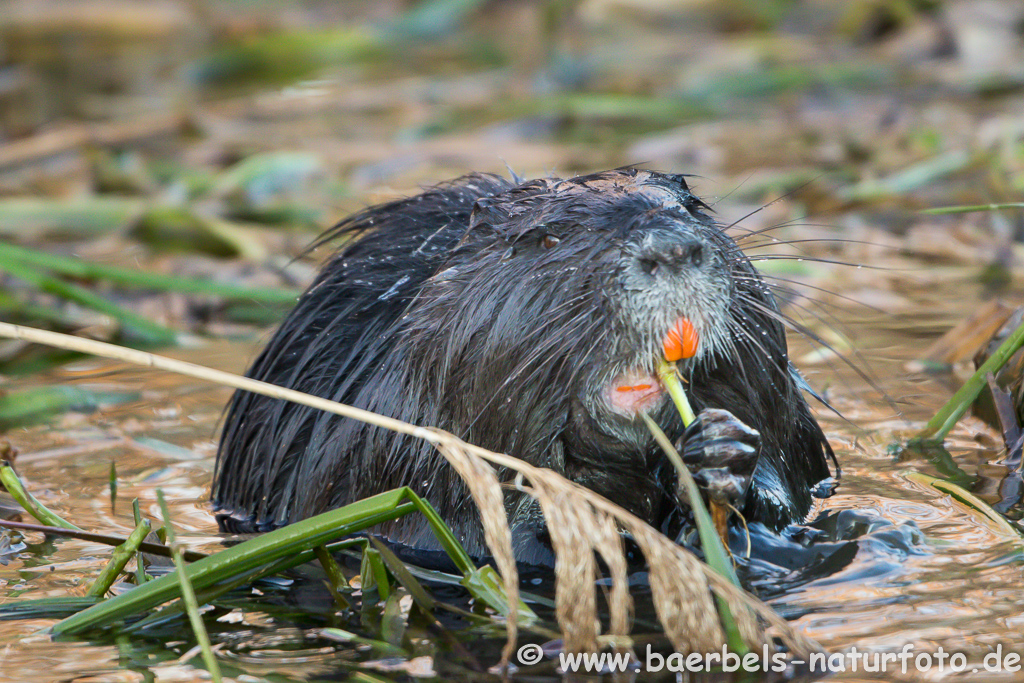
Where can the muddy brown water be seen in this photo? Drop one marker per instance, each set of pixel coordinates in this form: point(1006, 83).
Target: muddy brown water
point(959, 588)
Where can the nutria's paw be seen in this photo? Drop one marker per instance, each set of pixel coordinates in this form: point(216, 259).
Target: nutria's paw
point(721, 452)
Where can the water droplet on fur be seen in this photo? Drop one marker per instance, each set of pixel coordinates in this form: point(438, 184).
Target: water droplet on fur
point(509, 253)
point(447, 274)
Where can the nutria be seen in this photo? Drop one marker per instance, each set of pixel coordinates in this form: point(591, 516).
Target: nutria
point(527, 318)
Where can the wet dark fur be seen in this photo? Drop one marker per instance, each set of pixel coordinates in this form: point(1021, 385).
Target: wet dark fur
point(451, 309)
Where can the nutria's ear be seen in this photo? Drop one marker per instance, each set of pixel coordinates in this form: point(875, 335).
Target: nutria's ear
point(680, 180)
point(485, 212)
point(693, 203)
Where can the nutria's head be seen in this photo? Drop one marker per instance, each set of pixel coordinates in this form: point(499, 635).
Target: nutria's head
point(528, 319)
point(546, 322)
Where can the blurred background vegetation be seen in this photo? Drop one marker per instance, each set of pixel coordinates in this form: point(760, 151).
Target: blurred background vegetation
point(162, 162)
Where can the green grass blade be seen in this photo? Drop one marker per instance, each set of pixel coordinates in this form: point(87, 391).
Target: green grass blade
point(140, 564)
point(46, 608)
point(450, 544)
point(668, 377)
point(973, 208)
point(188, 596)
point(382, 648)
point(335, 578)
point(118, 559)
point(714, 551)
point(373, 576)
point(72, 267)
point(909, 179)
point(392, 624)
point(285, 56)
point(403, 576)
point(112, 486)
point(947, 416)
point(11, 482)
point(12, 307)
point(291, 546)
point(484, 582)
point(253, 554)
point(103, 539)
point(148, 330)
point(209, 595)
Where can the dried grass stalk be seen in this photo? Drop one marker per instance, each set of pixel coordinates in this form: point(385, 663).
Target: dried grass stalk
point(486, 490)
point(582, 523)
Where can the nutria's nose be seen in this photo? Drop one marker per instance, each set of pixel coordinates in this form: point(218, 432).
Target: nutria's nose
point(670, 252)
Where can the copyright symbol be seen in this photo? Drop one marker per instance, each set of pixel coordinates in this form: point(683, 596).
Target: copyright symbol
point(530, 654)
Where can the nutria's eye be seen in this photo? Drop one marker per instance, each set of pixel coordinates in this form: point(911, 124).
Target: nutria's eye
point(650, 266)
point(549, 241)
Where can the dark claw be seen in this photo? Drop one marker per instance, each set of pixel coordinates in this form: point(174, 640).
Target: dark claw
point(721, 452)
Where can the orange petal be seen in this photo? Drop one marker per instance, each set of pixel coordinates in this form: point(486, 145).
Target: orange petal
point(681, 341)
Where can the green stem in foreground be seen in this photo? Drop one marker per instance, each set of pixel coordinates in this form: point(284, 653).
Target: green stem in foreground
point(118, 559)
point(714, 551)
point(140, 564)
point(188, 596)
point(287, 547)
point(944, 420)
point(335, 577)
point(670, 380)
point(286, 543)
point(11, 481)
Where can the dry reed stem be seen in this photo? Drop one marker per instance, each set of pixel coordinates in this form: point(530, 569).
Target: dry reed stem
point(490, 500)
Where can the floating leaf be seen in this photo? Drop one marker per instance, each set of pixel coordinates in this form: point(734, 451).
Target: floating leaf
point(987, 515)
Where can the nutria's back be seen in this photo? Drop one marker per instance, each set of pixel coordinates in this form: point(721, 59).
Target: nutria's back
point(526, 318)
